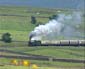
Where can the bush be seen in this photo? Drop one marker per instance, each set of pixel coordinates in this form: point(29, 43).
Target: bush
point(6, 37)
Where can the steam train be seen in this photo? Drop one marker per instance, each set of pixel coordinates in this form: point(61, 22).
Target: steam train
point(56, 43)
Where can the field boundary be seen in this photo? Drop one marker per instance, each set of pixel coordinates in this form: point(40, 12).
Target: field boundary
point(38, 57)
point(43, 58)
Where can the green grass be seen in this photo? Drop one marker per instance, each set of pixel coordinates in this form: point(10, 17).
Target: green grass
point(20, 27)
point(58, 52)
point(19, 23)
point(43, 64)
point(17, 35)
point(25, 10)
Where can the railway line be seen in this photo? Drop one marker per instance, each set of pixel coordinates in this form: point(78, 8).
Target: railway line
point(37, 57)
point(21, 55)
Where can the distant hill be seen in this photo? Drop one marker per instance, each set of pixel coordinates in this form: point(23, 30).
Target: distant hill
point(71, 4)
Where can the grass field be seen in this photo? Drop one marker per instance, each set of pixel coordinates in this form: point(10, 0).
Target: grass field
point(20, 27)
point(40, 67)
point(22, 67)
point(43, 65)
point(58, 52)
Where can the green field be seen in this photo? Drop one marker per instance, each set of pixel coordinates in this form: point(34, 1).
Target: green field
point(22, 67)
point(58, 52)
point(20, 26)
point(43, 65)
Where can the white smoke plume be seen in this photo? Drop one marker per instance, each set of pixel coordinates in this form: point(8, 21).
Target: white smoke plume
point(64, 25)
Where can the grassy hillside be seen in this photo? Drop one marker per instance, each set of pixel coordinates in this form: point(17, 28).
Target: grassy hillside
point(21, 19)
point(17, 20)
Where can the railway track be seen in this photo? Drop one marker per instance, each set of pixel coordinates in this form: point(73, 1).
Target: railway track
point(37, 57)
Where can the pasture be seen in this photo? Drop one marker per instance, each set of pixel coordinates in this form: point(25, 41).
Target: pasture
point(56, 52)
point(17, 21)
point(42, 65)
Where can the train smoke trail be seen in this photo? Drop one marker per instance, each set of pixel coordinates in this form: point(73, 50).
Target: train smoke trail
point(64, 25)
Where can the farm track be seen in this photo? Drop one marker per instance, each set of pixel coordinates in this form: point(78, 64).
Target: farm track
point(37, 57)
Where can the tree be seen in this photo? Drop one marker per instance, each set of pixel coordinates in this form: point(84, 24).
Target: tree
point(50, 18)
point(33, 20)
point(53, 17)
point(6, 37)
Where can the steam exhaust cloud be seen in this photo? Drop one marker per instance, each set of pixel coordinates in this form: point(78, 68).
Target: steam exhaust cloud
point(64, 25)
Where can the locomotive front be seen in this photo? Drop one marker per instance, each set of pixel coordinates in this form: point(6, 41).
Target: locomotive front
point(33, 42)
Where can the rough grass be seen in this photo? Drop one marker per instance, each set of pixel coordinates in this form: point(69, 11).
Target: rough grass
point(27, 11)
point(43, 64)
point(23, 67)
point(19, 27)
point(19, 23)
point(58, 52)
point(17, 35)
